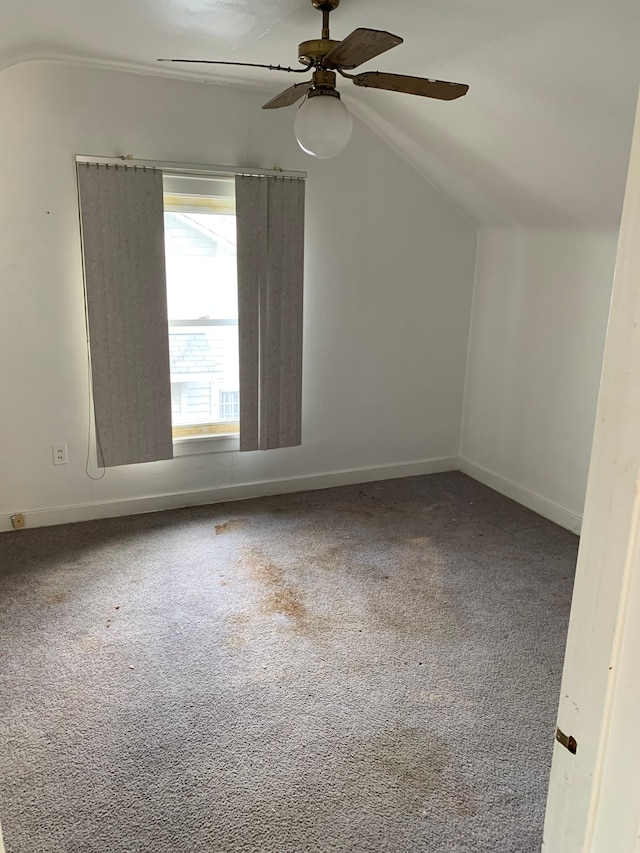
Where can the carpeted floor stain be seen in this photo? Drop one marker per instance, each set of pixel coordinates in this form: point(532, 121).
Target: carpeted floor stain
point(57, 598)
point(418, 763)
point(276, 596)
point(228, 526)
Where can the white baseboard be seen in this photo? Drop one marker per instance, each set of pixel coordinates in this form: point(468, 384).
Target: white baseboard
point(531, 500)
point(45, 517)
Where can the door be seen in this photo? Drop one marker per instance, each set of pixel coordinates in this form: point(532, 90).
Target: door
point(594, 795)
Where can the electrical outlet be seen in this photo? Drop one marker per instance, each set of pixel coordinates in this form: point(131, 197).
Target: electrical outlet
point(59, 454)
point(18, 522)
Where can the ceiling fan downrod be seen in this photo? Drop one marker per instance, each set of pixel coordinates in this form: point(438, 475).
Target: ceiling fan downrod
point(326, 7)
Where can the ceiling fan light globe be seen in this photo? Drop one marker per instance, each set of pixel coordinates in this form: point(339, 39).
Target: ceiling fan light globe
point(322, 126)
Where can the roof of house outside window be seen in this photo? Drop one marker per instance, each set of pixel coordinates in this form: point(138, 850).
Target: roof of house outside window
point(194, 352)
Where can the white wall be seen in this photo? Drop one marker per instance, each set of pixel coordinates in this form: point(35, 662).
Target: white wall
point(537, 336)
point(389, 272)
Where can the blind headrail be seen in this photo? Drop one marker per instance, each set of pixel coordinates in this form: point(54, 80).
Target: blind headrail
point(177, 168)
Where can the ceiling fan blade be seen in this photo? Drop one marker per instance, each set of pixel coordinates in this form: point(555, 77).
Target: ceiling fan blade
point(289, 96)
point(359, 46)
point(411, 85)
point(245, 64)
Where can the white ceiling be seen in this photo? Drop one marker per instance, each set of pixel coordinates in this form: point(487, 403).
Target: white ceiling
point(541, 139)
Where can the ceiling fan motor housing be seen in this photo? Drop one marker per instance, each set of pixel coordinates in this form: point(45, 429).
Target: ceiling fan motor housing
point(313, 51)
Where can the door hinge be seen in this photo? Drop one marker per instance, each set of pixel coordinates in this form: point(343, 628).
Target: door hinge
point(567, 740)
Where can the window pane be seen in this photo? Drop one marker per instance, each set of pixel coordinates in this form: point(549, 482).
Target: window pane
point(229, 405)
point(203, 315)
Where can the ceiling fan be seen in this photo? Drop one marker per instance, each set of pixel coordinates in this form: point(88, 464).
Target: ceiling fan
point(323, 124)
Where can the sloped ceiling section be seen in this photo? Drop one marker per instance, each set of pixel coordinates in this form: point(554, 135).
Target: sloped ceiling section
point(541, 140)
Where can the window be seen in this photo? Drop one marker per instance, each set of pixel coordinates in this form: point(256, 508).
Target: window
point(143, 399)
point(229, 405)
point(200, 246)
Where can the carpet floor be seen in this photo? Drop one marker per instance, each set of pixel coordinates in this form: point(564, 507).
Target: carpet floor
point(367, 668)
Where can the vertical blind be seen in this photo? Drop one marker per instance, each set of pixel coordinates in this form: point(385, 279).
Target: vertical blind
point(270, 231)
point(122, 223)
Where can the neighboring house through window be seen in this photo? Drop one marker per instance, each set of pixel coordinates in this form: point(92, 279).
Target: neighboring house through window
point(200, 245)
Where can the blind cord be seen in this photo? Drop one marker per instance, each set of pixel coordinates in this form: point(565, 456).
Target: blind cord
point(89, 385)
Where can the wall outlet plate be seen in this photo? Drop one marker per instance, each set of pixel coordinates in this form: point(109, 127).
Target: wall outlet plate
point(59, 454)
point(17, 520)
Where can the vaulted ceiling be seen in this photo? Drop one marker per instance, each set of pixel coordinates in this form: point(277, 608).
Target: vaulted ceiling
point(541, 139)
